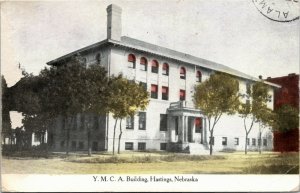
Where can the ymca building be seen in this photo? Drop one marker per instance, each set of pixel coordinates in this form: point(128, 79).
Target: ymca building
point(170, 121)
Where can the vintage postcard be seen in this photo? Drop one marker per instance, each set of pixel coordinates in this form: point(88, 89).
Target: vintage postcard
point(176, 95)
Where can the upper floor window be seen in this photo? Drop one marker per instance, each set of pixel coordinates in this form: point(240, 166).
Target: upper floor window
point(154, 66)
point(144, 85)
point(165, 69)
point(143, 64)
point(131, 61)
point(165, 93)
point(154, 91)
point(182, 95)
point(182, 73)
point(98, 58)
point(198, 76)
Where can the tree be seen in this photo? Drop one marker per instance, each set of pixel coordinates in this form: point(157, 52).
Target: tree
point(65, 92)
point(216, 96)
point(286, 118)
point(126, 98)
point(6, 122)
point(255, 109)
point(97, 96)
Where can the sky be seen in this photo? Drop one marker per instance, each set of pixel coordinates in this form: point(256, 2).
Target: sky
point(232, 32)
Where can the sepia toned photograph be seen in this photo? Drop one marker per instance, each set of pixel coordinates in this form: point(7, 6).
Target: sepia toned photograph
point(150, 95)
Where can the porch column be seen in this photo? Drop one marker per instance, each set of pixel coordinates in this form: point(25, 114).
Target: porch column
point(185, 128)
point(182, 130)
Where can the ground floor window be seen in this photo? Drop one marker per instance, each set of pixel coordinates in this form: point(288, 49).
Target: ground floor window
point(130, 122)
point(142, 120)
point(163, 146)
point(141, 146)
point(253, 142)
point(248, 141)
point(95, 146)
point(258, 142)
point(128, 146)
point(236, 141)
point(265, 142)
point(224, 140)
point(163, 122)
point(81, 145)
point(73, 145)
point(62, 144)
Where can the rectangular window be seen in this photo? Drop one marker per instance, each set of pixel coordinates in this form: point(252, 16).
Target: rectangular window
point(163, 146)
point(75, 122)
point(253, 142)
point(144, 85)
point(62, 144)
point(198, 125)
point(265, 142)
point(141, 146)
point(96, 122)
point(130, 122)
point(258, 142)
point(73, 146)
point(182, 95)
point(128, 146)
point(142, 120)
point(248, 141)
point(163, 122)
point(165, 93)
point(95, 146)
point(211, 140)
point(224, 140)
point(81, 145)
point(82, 120)
point(153, 91)
point(236, 141)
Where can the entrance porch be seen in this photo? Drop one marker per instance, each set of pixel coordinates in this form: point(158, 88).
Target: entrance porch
point(187, 128)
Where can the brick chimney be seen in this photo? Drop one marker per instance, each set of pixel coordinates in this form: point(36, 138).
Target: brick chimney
point(114, 22)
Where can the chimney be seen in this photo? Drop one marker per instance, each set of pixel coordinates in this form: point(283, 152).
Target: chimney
point(260, 76)
point(114, 23)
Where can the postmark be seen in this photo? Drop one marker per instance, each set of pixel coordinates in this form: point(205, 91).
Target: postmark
point(278, 10)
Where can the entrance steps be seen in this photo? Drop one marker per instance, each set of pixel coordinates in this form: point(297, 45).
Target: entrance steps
point(198, 149)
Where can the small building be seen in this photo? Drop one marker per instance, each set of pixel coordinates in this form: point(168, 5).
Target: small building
point(170, 122)
point(287, 94)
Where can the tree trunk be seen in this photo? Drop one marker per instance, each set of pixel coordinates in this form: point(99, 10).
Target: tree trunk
point(89, 140)
point(246, 144)
point(68, 135)
point(120, 135)
point(211, 143)
point(114, 136)
point(259, 145)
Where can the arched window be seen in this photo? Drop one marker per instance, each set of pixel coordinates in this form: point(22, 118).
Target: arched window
point(143, 64)
point(182, 73)
point(198, 76)
point(154, 66)
point(98, 58)
point(165, 69)
point(131, 61)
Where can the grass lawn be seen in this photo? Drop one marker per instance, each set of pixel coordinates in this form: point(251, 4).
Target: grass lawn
point(156, 163)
